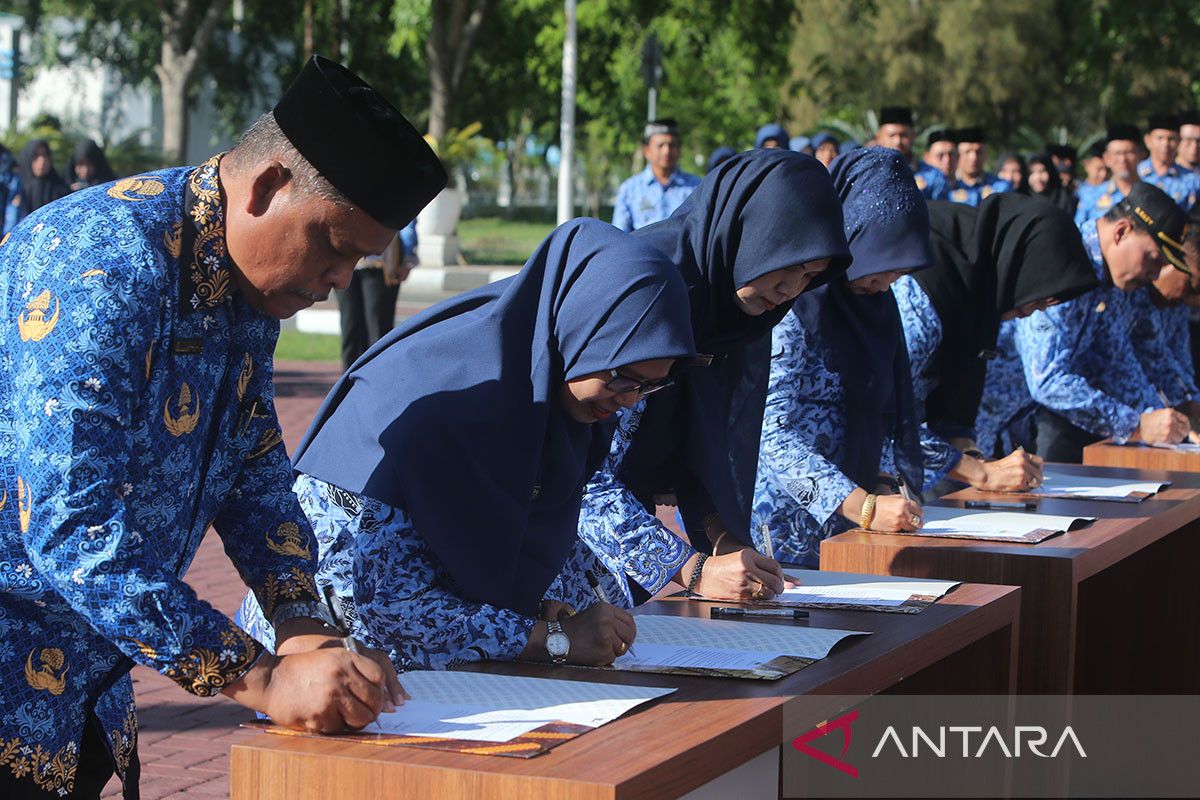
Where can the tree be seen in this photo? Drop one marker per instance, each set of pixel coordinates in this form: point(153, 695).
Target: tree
point(187, 33)
point(446, 31)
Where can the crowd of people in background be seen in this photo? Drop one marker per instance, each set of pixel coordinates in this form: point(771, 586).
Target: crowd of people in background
point(30, 180)
point(953, 165)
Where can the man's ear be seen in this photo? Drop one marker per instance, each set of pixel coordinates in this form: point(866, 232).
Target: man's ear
point(1120, 229)
point(270, 180)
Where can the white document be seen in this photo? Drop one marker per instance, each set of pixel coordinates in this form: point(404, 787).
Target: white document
point(763, 642)
point(1061, 484)
point(1181, 447)
point(497, 708)
point(648, 654)
point(846, 589)
point(999, 524)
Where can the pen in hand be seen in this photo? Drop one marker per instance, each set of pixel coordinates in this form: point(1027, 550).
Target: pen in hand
point(602, 596)
point(334, 604)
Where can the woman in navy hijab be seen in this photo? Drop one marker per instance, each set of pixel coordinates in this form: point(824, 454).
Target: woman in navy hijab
point(760, 229)
point(840, 410)
point(444, 472)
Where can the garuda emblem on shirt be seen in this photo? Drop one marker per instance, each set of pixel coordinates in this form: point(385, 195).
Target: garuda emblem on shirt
point(135, 189)
point(33, 323)
point(51, 659)
point(188, 415)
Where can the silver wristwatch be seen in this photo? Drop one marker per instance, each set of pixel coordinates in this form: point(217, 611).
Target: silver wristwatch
point(557, 643)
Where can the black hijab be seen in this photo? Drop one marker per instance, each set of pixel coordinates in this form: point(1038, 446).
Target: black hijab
point(759, 211)
point(1054, 192)
point(1010, 251)
point(87, 150)
point(38, 191)
point(887, 226)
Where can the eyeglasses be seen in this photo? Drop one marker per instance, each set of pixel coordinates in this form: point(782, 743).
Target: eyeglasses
point(621, 384)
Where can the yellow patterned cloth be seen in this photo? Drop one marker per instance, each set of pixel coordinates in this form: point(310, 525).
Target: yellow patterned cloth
point(136, 409)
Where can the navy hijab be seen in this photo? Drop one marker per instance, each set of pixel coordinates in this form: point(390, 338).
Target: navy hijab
point(887, 226)
point(455, 417)
point(760, 211)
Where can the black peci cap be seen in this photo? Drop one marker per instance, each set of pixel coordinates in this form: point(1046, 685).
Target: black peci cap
point(1162, 218)
point(1063, 152)
point(359, 143)
point(1165, 122)
point(973, 135)
point(939, 135)
point(1189, 118)
point(896, 115)
point(1120, 132)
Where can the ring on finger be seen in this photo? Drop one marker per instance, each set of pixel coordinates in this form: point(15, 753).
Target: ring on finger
point(914, 519)
point(623, 648)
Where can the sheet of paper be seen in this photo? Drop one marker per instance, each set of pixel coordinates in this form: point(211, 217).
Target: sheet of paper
point(1014, 524)
point(647, 654)
point(853, 594)
point(829, 584)
point(1057, 484)
point(497, 708)
point(1182, 447)
point(763, 639)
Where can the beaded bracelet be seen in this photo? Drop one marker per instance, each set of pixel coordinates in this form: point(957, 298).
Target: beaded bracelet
point(696, 573)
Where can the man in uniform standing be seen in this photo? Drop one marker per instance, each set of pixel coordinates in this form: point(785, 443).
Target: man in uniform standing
point(1188, 156)
point(1161, 170)
point(1121, 158)
point(896, 131)
point(971, 183)
point(136, 410)
point(655, 192)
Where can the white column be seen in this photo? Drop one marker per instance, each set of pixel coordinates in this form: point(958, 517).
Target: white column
point(10, 61)
point(566, 167)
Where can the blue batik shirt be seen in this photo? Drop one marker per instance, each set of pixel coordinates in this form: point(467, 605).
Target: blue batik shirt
point(1162, 343)
point(626, 536)
point(800, 487)
point(922, 337)
point(931, 181)
point(1006, 417)
point(136, 410)
point(397, 596)
point(642, 200)
point(973, 194)
point(1095, 201)
point(1181, 183)
point(1079, 360)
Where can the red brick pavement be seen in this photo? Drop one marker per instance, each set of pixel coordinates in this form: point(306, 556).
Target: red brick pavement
point(184, 740)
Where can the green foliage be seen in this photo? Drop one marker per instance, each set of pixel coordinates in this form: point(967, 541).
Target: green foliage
point(460, 147)
point(494, 240)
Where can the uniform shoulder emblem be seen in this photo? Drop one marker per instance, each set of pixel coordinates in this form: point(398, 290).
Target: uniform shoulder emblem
point(136, 189)
point(1104, 201)
point(959, 195)
point(921, 182)
point(33, 323)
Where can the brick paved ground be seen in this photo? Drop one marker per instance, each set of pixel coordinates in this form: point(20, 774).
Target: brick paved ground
point(184, 740)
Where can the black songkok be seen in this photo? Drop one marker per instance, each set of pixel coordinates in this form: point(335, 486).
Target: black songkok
point(1164, 122)
point(972, 135)
point(1123, 133)
point(359, 143)
point(895, 115)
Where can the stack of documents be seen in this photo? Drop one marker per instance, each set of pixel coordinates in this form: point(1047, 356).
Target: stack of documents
point(691, 646)
point(481, 707)
point(1090, 487)
point(847, 590)
point(996, 526)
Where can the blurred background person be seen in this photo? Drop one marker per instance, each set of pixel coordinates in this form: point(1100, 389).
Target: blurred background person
point(88, 166)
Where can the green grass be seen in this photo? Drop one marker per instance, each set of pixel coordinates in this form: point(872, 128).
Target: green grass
point(495, 240)
point(297, 346)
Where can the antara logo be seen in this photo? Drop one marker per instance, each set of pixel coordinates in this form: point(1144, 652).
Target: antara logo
point(1033, 737)
point(1024, 738)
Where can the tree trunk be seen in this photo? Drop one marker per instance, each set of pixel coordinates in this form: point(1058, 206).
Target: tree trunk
point(173, 83)
point(308, 30)
point(454, 27)
point(183, 48)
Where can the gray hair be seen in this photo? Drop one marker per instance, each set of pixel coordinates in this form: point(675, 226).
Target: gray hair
point(263, 140)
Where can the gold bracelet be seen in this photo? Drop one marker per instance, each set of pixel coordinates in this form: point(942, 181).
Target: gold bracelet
point(868, 512)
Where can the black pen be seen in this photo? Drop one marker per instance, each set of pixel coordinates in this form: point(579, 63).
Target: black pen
point(1026, 506)
point(602, 596)
point(719, 612)
point(334, 604)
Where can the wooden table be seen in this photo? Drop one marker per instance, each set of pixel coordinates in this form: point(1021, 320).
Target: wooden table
point(1107, 454)
point(711, 738)
point(1111, 608)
